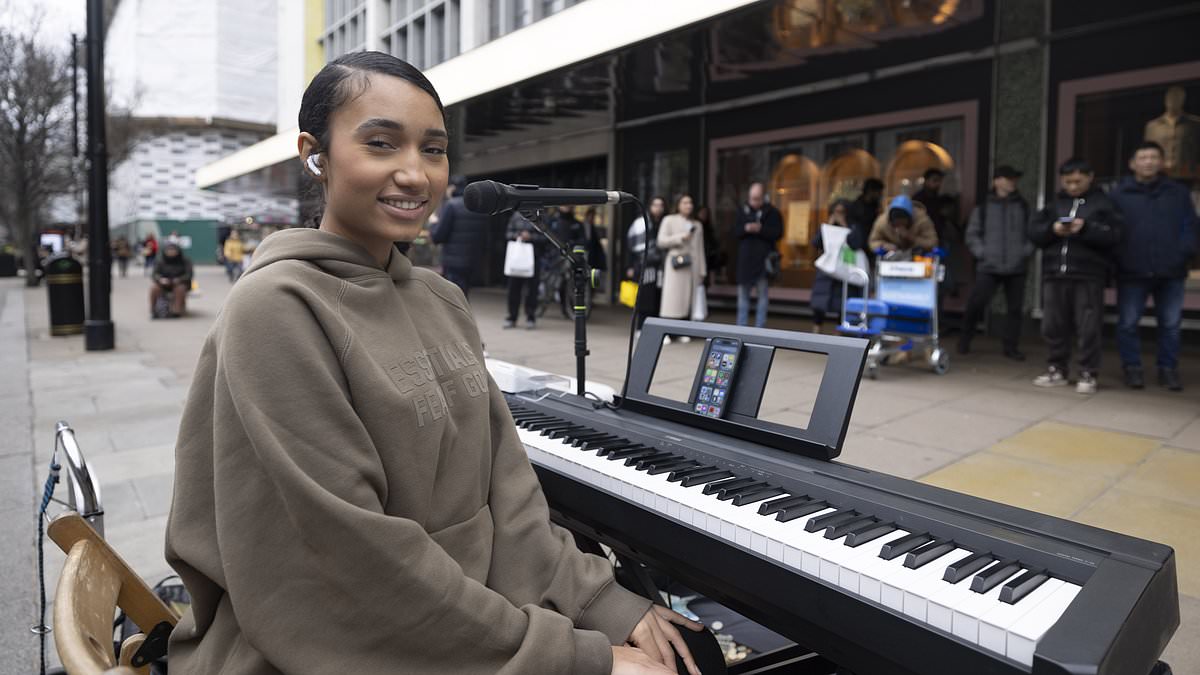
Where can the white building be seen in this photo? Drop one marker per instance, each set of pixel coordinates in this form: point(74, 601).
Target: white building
point(193, 74)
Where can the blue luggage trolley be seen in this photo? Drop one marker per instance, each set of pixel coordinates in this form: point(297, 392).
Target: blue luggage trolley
point(903, 315)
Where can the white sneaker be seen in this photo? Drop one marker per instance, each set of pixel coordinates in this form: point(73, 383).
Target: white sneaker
point(666, 339)
point(1053, 377)
point(1086, 384)
point(684, 339)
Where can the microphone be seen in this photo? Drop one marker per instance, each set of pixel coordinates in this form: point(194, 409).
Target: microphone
point(490, 197)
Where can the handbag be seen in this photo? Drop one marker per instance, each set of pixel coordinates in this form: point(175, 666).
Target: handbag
point(629, 292)
point(772, 265)
point(518, 260)
point(681, 260)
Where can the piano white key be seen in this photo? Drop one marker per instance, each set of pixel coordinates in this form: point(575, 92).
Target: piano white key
point(848, 577)
point(940, 611)
point(1023, 637)
point(920, 583)
point(965, 622)
point(995, 624)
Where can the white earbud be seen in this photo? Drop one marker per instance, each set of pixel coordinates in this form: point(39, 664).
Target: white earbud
point(313, 166)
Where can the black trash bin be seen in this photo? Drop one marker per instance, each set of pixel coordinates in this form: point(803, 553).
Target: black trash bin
point(64, 279)
point(8, 264)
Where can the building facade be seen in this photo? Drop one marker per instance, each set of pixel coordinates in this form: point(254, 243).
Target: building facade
point(810, 98)
point(191, 74)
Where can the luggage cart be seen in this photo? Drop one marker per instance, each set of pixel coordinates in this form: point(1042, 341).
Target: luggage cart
point(903, 315)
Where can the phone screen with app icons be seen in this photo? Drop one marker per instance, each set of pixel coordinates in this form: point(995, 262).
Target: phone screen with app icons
point(716, 381)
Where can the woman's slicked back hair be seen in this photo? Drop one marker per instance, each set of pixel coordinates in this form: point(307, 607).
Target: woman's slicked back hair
point(345, 78)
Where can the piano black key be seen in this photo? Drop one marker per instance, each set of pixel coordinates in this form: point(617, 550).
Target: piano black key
point(969, 565)
point(636, 451)
point(530, 419)
point(564, 433)
point(609, 448)
point(729, 493)
point(853, 525)
point(663, 467)
point(894, 549)
point(831, 519)
point(680, 474)
point(994, 575)
point(777, 505)
point(546, 424)
point(868, 534)
point(757, 495)
point(801, 510)
point(640, 462)
point(923, 555)
point(705, 477)
point(579, 439)
point(1023, 585)
point(595, 443)
point(715, 487)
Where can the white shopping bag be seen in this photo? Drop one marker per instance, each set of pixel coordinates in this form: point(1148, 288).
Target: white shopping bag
point(699, 303)
point(839, 260)
point(518, 260)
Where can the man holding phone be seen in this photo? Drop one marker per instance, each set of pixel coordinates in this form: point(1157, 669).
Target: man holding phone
point(1076, 232)
point(758, 228)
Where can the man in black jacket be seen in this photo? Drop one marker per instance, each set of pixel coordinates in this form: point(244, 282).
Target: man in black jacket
point(996, 236)
point(757, 228)
point(1158, 244)
point(462, 234)
point(863, 212)
point(1076, 232)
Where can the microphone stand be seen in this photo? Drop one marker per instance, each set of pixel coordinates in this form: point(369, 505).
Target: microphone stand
point(581, 274)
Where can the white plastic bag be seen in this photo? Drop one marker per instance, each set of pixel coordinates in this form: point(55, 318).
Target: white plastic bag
point(518, 260)
point(699, 303)
point(839, 260)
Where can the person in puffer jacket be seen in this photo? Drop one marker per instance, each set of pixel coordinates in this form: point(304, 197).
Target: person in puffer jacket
point(1158, 244)
point(1076, 231)
point(996, 235)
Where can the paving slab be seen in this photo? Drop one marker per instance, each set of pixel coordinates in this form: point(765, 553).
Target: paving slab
point(1028, 405)
point(952, 430)
point(868, 450)
point(1169, 473)
point(1188, 437)
point(1020, 483)
point(1166, 521)
point(1157, 416)
point(1086, 450)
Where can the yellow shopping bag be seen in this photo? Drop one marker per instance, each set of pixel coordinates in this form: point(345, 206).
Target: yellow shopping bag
point(628, 295)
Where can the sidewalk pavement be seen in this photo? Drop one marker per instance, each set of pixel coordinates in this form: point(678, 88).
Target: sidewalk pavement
point(1121, 460)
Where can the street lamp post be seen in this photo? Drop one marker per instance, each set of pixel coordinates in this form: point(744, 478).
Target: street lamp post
point(98, 328)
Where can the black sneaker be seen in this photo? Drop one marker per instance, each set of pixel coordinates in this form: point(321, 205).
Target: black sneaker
point(1014, 354)
point(1169, 378)
point(1134, 378)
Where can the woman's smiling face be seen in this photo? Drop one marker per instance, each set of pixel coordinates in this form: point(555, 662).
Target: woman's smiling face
point(385, 168)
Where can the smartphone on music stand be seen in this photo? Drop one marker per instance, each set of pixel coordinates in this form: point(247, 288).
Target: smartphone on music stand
point(714, 387)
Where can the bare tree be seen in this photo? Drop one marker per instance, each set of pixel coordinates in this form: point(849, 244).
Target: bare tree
point(35, 136)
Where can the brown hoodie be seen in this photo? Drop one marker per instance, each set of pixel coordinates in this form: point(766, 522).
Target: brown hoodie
point(351, 495)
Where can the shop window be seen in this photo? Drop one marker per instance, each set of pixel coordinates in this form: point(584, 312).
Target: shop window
point(806, 175)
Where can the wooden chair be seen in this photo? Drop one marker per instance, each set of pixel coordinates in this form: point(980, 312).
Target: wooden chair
point(94, 583)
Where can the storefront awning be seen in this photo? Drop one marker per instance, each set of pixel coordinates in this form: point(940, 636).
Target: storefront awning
point(578, 33)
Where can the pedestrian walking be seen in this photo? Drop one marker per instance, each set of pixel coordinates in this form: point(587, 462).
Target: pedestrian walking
point(1157, 245)
point(342, 443)
point(1076, 231)
point(149, 253)
point(997, 235)
point(650, 277)
point(520, 229)
point(234, 252)
point(462, 234)
point(681, 237)
point(826, 299)
point(757, 229)
point(122, 251)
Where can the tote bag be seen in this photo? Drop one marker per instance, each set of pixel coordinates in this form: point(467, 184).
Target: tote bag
point(839, 260)
point(518, 260)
